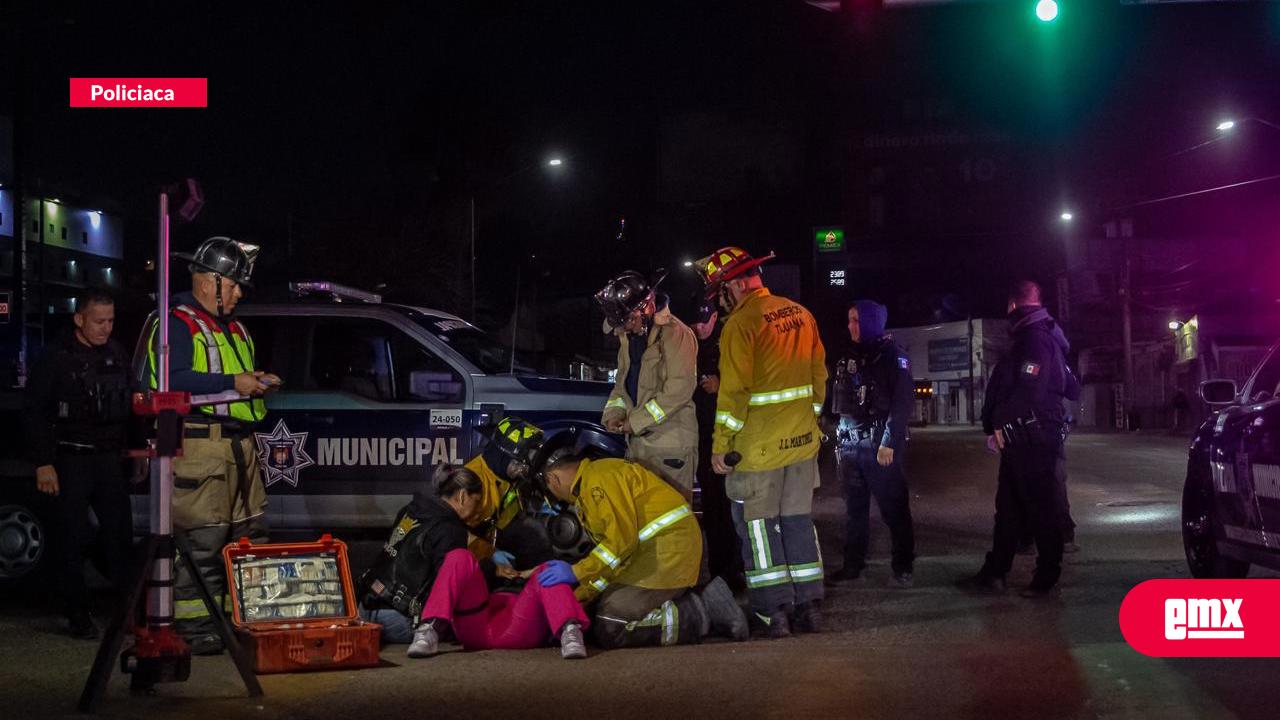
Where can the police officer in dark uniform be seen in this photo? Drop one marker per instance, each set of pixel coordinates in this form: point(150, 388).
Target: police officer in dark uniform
point(872, 394)
point(724, 556)
point(1024, 419)
point(76, 410)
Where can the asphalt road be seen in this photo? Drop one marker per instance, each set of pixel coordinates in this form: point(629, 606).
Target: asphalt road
point(927, 652)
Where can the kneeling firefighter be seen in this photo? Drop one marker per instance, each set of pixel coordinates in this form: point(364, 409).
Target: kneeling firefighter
point(503, 465)
point(648, 549)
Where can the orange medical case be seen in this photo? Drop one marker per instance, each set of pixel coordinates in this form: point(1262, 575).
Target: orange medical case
point(294, 607)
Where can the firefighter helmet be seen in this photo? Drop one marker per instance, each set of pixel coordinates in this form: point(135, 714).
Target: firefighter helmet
point(726, 264)
point(625, 294)
point(225, 257)
point(513, 440)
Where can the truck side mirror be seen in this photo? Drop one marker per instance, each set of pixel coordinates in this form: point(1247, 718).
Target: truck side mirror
point(1218, 393)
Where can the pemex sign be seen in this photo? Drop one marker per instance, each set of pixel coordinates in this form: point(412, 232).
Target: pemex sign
point(828, 239)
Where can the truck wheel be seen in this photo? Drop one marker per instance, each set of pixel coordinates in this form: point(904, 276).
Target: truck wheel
point(1199, 533)
point(25, 540)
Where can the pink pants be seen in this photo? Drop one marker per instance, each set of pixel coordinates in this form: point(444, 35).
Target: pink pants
point(501, 621)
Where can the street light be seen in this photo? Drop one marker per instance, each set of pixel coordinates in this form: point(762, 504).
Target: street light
point(1047, 10)
point(1174, 325)
point(1066, 216)
point(554, 162)
point(1229, 124)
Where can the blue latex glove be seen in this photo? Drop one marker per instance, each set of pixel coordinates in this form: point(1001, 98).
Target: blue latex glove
point(545, 510)
point(557, 572)
point(502, 557)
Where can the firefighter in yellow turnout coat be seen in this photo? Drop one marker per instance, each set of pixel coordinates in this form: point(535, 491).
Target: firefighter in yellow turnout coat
point(644, 565)
point(504, 460)
point(652, 398)
point(772, 385)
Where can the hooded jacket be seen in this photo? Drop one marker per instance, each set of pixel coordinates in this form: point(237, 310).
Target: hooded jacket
point(1033, 379)
point(402, 574)
point(661, 412)
point(874, 381)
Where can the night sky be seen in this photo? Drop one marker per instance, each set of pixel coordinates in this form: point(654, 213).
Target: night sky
point(348, 141)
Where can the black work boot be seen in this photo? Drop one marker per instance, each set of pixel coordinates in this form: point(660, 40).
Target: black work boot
point(983, 584)
point(807, 618)
point(80, 625)
point(726, 617)
point(777, 624)
point(1043, 585)
point(843, 575)
point(207, 644)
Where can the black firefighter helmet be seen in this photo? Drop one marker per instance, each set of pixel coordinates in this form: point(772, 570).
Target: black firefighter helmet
point(626, 294)
point(223, 256)
point(513, 440)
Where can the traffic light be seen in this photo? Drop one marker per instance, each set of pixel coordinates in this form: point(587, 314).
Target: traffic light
point(1047, 10)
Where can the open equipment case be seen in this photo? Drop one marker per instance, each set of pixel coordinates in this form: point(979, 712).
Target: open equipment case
point(294, 607)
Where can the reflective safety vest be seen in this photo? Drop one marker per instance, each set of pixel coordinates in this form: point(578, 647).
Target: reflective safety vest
point(773, 380)
point(645, 533)
point(215, 353)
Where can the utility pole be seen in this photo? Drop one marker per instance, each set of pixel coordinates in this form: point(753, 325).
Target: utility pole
point(472, 225)
point(18, 310)
point(1123, 230)
point(972, 388)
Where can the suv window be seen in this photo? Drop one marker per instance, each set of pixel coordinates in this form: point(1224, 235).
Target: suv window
point(374, 360)
point(1266, 382)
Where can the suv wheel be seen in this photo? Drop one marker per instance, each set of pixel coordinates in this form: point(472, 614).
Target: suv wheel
point(24, 540)
point(1199, 534)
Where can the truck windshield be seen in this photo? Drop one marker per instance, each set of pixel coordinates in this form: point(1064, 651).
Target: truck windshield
point(486, 353)
point(1266, 382)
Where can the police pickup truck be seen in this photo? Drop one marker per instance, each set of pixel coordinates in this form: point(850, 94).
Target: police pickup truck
point(1231, 500)
point(375, 395)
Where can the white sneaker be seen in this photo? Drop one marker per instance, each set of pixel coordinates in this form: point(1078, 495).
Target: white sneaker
point(426, 642)
point(572, 646)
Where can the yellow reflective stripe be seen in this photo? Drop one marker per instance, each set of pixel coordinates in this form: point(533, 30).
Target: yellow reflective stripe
point(189, 609)
point(781, 396)
point(655, 411)
point(670, 624)
point(768, 577)
point(599, 584)
point(616, 403)
point(805, 572)
point(667, 518)
point(729, 421)
point(606, 557)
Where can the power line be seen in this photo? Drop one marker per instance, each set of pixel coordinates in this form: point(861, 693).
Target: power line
point(1179, 196)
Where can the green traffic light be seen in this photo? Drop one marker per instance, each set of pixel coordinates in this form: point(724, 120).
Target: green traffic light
point(1047, 10)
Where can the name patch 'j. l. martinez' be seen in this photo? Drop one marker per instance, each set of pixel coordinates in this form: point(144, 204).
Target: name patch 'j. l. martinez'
point(1031, 369)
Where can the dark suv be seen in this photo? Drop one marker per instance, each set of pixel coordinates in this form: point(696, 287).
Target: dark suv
point(1231, 500)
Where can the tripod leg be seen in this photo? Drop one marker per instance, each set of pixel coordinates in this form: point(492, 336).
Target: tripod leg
point(109, 649)
point(238, 652)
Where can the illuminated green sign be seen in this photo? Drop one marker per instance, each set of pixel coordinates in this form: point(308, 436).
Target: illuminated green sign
point(829, 239)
